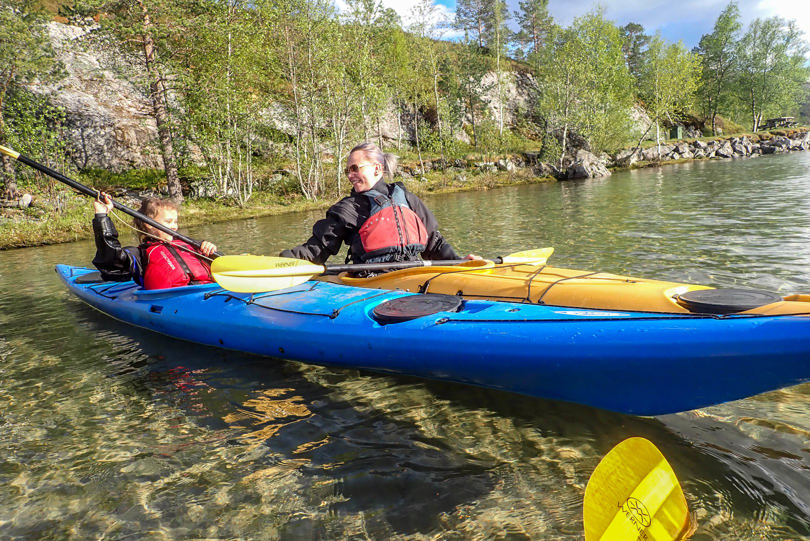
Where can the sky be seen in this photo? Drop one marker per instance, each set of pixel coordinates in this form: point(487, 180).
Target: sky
point(684, 20)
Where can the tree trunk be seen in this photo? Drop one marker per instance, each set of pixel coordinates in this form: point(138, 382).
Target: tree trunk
point(438, 116)
point(157, 96)
point(416, 132)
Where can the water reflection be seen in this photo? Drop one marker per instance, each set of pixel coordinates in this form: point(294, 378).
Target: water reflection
point(114, 432)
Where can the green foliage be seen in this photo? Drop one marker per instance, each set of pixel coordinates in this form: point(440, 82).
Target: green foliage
point(437, 144)
point(26, 55)
point(37, 128)
point(719, 63)
point(634, 45)
point(772, 71)
point(534, 23)
point(295, 83)
point(669, 79)
point(133, 179)
point(585, 85)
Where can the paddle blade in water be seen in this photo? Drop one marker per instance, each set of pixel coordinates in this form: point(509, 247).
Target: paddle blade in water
point(633, 494)
point(537, 256)
point(253, 273)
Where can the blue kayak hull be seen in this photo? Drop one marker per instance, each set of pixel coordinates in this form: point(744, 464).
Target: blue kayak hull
point(630, 362)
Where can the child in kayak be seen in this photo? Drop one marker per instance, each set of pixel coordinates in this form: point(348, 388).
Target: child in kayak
point(160, 261)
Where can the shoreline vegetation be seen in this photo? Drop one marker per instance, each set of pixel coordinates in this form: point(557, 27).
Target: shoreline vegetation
point(134, 102)
point(55, 214)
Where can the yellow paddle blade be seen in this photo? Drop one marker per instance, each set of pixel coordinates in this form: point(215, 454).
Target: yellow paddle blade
point(262, 265)
point(255, 273)
point(633, 494)
point(538, 256)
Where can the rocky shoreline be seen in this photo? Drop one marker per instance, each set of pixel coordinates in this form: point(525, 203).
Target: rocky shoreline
point(587, 165)
point(583, 165)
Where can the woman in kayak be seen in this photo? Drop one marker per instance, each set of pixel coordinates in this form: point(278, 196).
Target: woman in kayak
point(160, 261)
point(379, 222)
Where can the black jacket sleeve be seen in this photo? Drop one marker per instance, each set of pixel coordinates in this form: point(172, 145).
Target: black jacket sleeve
point(112, 260)
point(328, 234)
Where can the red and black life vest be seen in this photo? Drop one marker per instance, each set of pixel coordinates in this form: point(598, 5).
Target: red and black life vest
point(171, 265)
point(392, 232)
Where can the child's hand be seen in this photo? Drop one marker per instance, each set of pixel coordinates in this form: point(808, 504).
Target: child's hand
point(103, 204)
point(207, 248)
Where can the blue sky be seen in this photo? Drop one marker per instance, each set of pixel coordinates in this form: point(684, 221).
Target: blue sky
point(685, 20)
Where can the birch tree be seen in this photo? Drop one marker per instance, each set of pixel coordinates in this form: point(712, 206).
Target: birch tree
point(223, 90)
point(670, 77)
point(720, 63)
point(772, 68)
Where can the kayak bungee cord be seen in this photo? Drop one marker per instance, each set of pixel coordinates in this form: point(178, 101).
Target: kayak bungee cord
point(253, 300)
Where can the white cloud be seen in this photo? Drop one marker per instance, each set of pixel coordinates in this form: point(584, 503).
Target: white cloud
point(791, 10)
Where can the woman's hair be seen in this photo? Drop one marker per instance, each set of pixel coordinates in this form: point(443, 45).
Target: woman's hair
point(373, 152)
point(151, 207)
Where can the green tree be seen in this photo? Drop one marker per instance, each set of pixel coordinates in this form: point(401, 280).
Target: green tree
point(634, 44)
point(772, 68)
point(585, 85)
point(472, 17)
point(26, 55)
point(369, 25)
point(300, 33)
point(465, 83)
point(498, 36)
point(223, 88)
point(534, 24)
point(718, 52)
point(670, 78)
point(147, 28)
point(428, 34)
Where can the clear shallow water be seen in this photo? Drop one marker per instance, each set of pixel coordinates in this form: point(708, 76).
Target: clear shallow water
point(113, 432)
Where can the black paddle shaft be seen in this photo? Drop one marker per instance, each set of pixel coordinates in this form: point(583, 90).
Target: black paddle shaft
point(394, 265)
point(95, 194)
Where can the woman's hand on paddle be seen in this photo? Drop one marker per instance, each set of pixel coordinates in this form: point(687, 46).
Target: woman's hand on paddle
point(207, 248)
point(473, 256)
point(102, 204)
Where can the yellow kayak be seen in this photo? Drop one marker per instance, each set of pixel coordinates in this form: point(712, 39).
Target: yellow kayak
point(564, 287)
point(522, 277)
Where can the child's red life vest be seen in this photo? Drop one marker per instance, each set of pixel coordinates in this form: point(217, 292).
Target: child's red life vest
point(171, 265)
point(392, 232)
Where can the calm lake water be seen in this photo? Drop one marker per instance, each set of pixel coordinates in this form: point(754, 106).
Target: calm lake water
point(110, 432)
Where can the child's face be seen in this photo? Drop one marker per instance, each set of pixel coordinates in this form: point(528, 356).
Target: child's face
point(167, 217)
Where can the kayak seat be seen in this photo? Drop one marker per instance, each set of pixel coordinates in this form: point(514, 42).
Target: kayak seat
point(415, 306)
point(725, 300)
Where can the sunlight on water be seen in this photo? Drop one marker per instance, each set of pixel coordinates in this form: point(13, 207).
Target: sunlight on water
point(114, 432)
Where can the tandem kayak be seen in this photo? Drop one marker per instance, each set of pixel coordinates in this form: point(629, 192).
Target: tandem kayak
point(635, 362)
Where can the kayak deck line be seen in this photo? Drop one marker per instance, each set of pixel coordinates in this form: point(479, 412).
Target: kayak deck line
point(254, 300)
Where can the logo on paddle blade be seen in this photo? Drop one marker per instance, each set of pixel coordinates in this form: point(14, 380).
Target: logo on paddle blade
point(637, 514)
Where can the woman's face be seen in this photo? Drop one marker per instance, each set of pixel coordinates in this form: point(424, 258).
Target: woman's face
point(363, 173)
